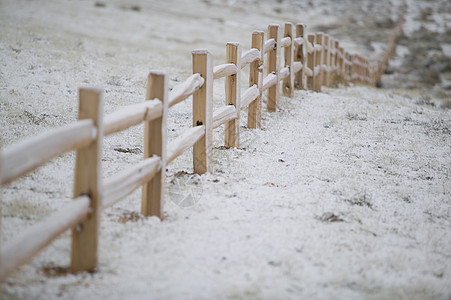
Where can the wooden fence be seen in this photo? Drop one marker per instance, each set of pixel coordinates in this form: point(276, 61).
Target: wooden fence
point(309, 60)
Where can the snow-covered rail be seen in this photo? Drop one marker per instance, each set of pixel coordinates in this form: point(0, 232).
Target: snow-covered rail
point(309, 61)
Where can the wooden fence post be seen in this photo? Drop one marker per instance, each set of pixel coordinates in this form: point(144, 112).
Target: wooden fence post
point(88, 181)
point(233, 95)
point(311, 61)
point(288, 82)
point(299, 55)
point(254, 116)
point(319, 63)
point(203, 111)
point(155, 144)
point(326, 60)
point(273, 67)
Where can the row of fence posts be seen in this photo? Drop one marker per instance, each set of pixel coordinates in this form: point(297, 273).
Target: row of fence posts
point(308, 62)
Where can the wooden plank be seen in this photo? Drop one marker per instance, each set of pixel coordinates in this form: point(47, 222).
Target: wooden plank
point(273, 67)
point(284, 73)
point(224, 70)
point(25, 156)
point(31, 241)
point(297, 66)
point(233, 96)
point(155, 140)
point(203, 111)
point(311, 59)
point(254, 114)
point(124, 183)
point(249, 96)
point(88, 181)
point(285, 41)
point(269, 81)
point(288, 81)
point(223, 114)
point(184, 142)
point(250, 56)
point(269, 45)
point(182, 91)
point(318, 62)
point(132, 115)
point(299, 58)
point(326, 61)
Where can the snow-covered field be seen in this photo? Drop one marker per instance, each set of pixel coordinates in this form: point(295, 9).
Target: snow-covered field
point(344, 194)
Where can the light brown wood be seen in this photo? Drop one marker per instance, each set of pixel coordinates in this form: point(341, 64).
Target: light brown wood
point(273, 67)
point(185, 141)
point(318, 62)
point(132, 115)
point(311, 59)
point(224, 70)
point(124, 183)
point(182, 91)
point(155, 144)
point(31, 241)
point(288, 81)
point(25, 156)
point(254, 115)
point(88, 181)
point(223, 114)
point(299, 57)
point(326, 60)
point(203, 111)
point(233, 95)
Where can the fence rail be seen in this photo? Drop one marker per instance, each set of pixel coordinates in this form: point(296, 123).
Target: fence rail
point(308, 63)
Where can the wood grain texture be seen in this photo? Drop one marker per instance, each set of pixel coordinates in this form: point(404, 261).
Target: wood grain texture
point(155, 144)
point(88, 181)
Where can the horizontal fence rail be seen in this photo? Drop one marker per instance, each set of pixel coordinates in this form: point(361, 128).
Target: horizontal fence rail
point(287, 59)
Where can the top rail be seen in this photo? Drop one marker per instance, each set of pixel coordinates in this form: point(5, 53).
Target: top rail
point(249, 57)
point(224, 70)
point(269, 45)
point(285, 42)
point(185, 89)
point(24, 157)
point(132, 115)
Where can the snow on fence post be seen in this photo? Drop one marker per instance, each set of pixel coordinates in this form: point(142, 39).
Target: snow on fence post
point(203, 110)
point(288, 82)
point(311, 60)
point(299, 56)
point(88, 181)
point(254, 117)
point(326, 61)
point(318, 62)
point(233, 95)
point(273, 67)
point(155, 144)
point(337, 56)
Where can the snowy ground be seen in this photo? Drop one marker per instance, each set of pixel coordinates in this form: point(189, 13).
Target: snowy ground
point(343, 194)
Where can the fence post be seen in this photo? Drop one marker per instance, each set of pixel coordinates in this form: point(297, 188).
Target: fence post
point(319, 63)
point(203, 110)
point(326, 60)
point(233, 95)
point(88, 181)
point(155, 144)
point(254, 116)
point(273, 67)
point(311, 61)
point(299, 55)
point(288, 82)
